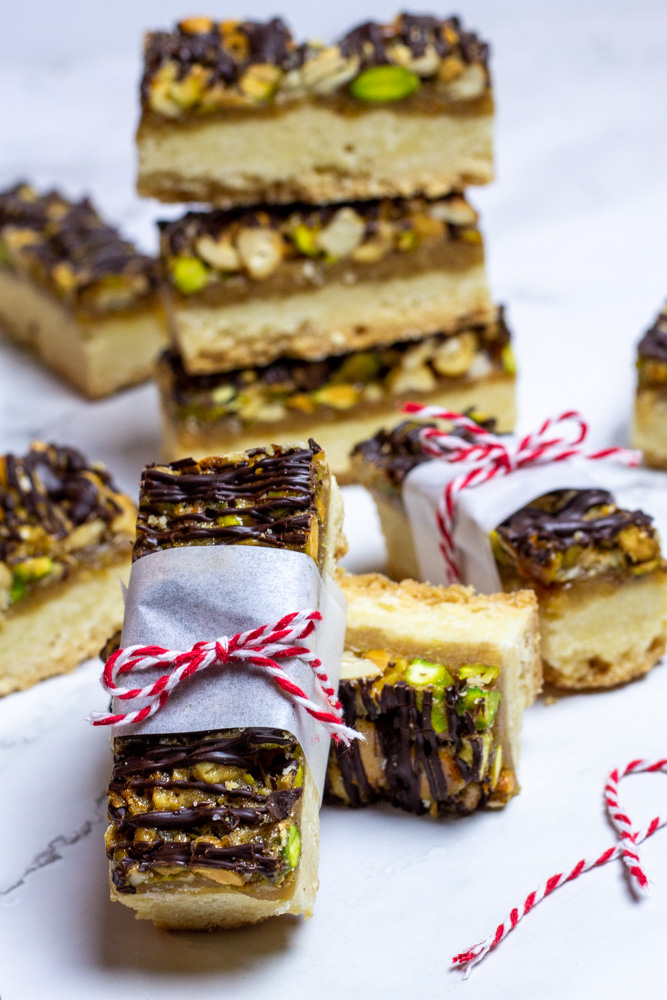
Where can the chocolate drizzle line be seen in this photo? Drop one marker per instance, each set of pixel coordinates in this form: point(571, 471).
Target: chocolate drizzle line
point(52, 487)
point(568, 517)
point(140, 765)
point(408, 746)
point(215, 487)
point(72, 233)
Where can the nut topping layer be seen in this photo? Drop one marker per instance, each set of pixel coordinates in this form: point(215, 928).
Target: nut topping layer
point(205, 66)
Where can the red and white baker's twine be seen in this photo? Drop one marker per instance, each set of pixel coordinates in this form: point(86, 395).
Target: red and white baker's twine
point(260, 647)
point(626, 849)
point(491, 455)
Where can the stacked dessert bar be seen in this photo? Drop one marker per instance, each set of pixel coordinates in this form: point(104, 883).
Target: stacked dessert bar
point(340, 268)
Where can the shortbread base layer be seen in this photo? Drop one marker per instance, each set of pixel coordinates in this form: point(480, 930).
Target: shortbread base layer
point(182, 908)
point(600, 633)
point(97, 357)
point(595, 633)
point(314, 153)
point(649, 426)
point(338, 434)
point(53, 630)
point(333, 319)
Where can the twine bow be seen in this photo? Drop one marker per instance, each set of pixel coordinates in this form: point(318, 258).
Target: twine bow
point(261, 647)
point(626, 849)
point(489, 455)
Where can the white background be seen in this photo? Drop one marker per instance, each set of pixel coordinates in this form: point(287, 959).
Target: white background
point(575, 228)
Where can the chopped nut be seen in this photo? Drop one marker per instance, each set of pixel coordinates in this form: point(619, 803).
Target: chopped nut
point(457, 211)
point(420, 379)
point(455, 355)
point(260, 80)
point(196, 25)
point(188, 91)
point(340, 397)
point(343, 234)
point(469, 85)
point(328, 71)
point(450, 68)
point(376, 248)
point(84, 535)
point(218, 253)
point(261, 251)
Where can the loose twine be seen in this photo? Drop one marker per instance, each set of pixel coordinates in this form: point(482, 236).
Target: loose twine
point(629, 855)
point(490, 455)
point(260, 647)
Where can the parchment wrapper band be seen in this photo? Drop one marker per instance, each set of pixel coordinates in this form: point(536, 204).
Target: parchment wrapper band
point(479, 510)
point(177, 597)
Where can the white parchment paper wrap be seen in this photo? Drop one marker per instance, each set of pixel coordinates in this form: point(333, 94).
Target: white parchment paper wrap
point(479, 510)
point(177, 597)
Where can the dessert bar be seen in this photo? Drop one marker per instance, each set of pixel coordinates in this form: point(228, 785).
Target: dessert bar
point(65, 540)
point(237, 112)
point(249, 285)
point(649, 429)
point(597, 569)
point(220, 828)
point(339, 400)
point(76, 292)
point(436, 679)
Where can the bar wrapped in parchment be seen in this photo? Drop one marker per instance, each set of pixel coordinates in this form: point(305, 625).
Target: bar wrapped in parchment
point(217, 825)
point(436, 679)
point(596, 568)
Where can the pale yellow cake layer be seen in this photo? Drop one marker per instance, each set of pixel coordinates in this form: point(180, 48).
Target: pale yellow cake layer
point(453, 626)
point(99, 356)
point(339, 434)
point(333, 319)
point(182, 908)
point(314, 153)
point(55, 629)
point(649, 426)
point(600, 633)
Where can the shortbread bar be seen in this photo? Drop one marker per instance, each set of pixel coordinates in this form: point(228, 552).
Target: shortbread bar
point(237, 112)
point(436, 679)
point(65, 540)
point(597, 569)
point(76, 292)
point(248, 286)
point(649, 429)
point(218, 829)
point(339, 400)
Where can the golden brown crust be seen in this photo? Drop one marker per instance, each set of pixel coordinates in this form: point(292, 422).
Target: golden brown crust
point(375, 585)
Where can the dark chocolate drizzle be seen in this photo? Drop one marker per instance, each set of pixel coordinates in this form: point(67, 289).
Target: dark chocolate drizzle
point(74, 233)
point(216, 486)
point(566, 517)
point(264, 753)
point(50, 487)
point(653, 344)
point(408, 746)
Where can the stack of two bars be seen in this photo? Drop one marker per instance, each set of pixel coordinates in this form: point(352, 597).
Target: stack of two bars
point(343, 271)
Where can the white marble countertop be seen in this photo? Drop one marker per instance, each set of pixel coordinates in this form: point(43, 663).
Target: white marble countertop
point(575, 229)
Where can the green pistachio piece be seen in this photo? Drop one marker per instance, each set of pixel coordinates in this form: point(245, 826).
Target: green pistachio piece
point(33, 569)
point(229, 519)
point(483, 705)
point(384, 83)
point(508, 360)
point(491, 703)
point(293, 849)
point(362, 367)
point(481, 671)
point(439, 715)
point(425, 673)
point(407, 240)
point(17, 590)
point(305, 240)
point(298, 778)
point(189, 274)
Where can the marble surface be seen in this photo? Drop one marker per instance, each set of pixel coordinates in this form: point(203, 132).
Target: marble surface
point(575, 228)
